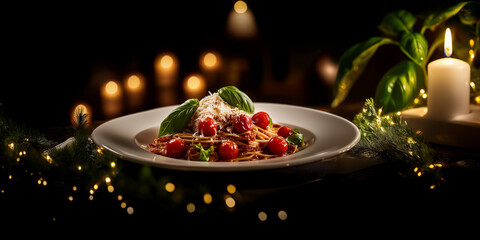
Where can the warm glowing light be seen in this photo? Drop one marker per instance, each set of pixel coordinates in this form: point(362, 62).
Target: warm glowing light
point(262, 216)
point(112, 164)
point(207, 198)
point(166, 69)
point(85, 108)
point(327, 69)
point(166, 61)
point(11, 146)
point(133, 82)
point(241, 21)
point(472, 43)
point(112, 99)
point(70, 198)
point(130, 210)
point(230, 202)
point(95, 186)
point(448, 43)
point(110, 188)
point(193, 82)
point(123, 205)
point(194, 86)
point(240, 6)
point(231, 188)
point(282, 215)
point(111, 88)
point(49, 159)
point(210, 60)
point(79, 168)
point(190, 207)
point(169, 187)
point(108, 180)
point(119, 197)
point(477, 99)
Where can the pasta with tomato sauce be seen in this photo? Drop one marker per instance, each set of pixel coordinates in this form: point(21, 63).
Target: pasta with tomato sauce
point(218, 131)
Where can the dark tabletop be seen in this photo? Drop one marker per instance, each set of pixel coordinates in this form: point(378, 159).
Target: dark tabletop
point(346, 191)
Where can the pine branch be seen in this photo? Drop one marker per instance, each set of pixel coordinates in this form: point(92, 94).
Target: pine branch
point(392, 139)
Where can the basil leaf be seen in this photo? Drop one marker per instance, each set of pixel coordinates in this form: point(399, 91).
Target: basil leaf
point(295, 139)
point(177, 120)
point(436, 18)
point(236, 98)
point(399, 86)
point(204, 154)
point(415, 46)
point(397, 22)
point(351, 66)
point(271, 123)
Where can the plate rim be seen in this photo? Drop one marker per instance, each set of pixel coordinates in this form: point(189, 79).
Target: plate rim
point(281, 162)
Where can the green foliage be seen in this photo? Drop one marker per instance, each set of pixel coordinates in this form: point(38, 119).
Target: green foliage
point(397, 22)
point(204, 154)
point(436, 18)
point(415, 46)
point(352, 64)
point(179, 118)
point(399, 86)
point(236, 98)
point(295, 139)
point(399, 28)
point(390, 138)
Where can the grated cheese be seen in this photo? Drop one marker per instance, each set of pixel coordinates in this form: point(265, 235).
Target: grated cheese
point(214, 106)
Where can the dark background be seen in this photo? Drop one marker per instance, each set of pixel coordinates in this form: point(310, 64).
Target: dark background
point(49, 52)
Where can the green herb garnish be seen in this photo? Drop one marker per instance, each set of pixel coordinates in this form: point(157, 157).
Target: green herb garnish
point(236, 98)
point(204, 154)
point(177, 120)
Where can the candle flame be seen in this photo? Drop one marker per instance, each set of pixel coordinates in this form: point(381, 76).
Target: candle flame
point(448, 43)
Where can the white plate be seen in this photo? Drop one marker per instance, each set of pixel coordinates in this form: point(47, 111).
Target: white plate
point(326, 134)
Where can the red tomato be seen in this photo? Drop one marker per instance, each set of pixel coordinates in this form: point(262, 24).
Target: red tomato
point(207, 127)
point(242, 123)
point(261, 119)
point(277, 145)
point(285, 131)
point(228, 150)
point(176, 148)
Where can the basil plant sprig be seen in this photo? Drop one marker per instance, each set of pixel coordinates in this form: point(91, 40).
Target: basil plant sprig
point(179, 118)
point(401, 85)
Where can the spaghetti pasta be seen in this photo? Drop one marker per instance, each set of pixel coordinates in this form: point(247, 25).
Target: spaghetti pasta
point(246, 140)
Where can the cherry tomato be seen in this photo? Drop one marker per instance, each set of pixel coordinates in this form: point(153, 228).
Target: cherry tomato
point(242, 123)
point(228, 150)
point(176, 148)
point(277, 145)
point(207, 126)
point(261, 119)
point(285, 131)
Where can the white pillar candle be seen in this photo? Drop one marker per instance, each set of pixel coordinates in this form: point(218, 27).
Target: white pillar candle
point(448, 85)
